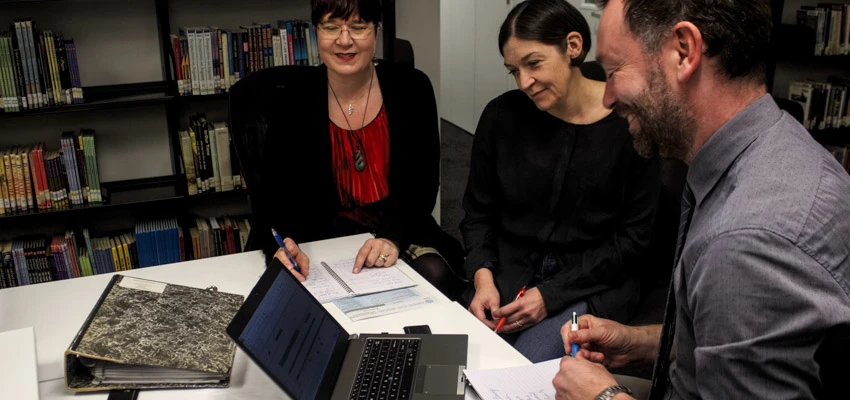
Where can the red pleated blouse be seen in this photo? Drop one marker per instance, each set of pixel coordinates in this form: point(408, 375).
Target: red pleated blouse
point(356, 189)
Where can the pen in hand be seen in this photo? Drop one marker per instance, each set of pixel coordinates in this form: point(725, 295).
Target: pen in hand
point(283, 246)
point(502, 320)
point(574, 327)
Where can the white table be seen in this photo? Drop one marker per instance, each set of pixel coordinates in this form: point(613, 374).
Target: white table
point(56, 310)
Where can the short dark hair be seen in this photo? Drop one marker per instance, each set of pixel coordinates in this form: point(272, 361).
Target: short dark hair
point(369, 10)
point(546, 21)
point(738, 31)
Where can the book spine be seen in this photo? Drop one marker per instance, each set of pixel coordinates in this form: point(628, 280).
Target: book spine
point(44, 68)
point(33, 63)
point(76, 341)
point(54, 68)
point(178, 63)
point(28, 183)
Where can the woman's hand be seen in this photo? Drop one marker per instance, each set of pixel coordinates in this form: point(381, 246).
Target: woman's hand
point(523, 312)
point(299, 256)
point(486, 297)
point(376, 253)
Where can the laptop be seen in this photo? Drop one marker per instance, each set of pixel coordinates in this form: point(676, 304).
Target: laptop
point(298, 344)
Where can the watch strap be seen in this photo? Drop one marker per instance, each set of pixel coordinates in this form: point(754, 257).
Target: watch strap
point(611, 391)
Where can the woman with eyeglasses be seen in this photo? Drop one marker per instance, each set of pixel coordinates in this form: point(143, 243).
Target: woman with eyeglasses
point(354, 147)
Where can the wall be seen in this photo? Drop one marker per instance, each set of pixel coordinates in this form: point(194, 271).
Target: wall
point(418, 21)
point(471, 66)
point(457, 62)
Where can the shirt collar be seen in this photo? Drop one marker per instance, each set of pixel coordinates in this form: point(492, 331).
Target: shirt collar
point(727, 143)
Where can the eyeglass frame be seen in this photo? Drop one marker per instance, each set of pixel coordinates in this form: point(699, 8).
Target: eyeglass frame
point(321, 30)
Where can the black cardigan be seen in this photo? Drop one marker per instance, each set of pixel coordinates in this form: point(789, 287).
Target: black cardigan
point(539, 186)
point(280, 122)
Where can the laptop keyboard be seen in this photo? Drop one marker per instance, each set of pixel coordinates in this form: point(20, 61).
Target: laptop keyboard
point(386, 369)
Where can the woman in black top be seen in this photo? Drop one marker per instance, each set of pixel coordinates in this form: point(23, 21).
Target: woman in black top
point(351, 146)
point(557, 201)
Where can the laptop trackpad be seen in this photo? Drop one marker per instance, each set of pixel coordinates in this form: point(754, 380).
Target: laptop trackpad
point(440, 380)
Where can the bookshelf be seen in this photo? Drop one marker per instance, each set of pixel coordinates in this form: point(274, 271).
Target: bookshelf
point(794, 59)
point(129, 83)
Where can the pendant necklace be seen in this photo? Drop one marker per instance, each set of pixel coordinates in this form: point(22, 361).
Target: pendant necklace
point(359, 160)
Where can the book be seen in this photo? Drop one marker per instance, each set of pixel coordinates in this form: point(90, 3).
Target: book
point(333, 280)
point(148, 334)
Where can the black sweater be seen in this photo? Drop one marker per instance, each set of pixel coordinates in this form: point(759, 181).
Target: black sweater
point(540, 186)
point(280, 122)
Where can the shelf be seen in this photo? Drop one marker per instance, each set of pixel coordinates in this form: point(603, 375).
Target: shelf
point(796, 44)
point(107, 97)
point(159, 193)
point(834, 137)
point(203, 97)
point(216, 195)
point(119, 195)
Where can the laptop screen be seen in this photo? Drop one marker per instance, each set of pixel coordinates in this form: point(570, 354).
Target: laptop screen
point(290, 335)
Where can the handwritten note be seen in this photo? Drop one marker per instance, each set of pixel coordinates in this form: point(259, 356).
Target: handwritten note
point(370, 280)
point(331, 280)
point(323, 286)
point(531, 382)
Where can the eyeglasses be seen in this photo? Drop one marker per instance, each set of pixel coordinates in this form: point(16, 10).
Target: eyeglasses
point(332, 32)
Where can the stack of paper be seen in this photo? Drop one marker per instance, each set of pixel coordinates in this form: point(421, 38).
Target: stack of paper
point(18, 371)
point(526, 382)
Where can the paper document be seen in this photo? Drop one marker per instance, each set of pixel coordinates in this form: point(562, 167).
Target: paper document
point(18, 371)
point(378, 304)
point(332, 280)
point(530, 382)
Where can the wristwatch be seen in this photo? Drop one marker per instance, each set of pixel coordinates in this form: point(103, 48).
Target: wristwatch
point(610, 392)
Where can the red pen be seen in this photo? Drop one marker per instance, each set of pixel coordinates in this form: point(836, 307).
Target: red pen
point(501, 322)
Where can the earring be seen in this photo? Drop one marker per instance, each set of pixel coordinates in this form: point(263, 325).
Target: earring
point(374, 61)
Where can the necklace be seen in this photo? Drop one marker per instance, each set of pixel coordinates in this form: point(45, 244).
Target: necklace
point(359, 160)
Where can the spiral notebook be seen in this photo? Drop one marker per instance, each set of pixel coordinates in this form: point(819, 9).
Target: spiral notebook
point(333, 280)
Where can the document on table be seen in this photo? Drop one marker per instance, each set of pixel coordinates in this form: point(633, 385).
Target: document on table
point(332, 280)
point(517, 383)
point(378, 304)
point(18, 371)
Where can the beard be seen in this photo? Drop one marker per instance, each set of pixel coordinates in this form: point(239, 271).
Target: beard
point(664, 126)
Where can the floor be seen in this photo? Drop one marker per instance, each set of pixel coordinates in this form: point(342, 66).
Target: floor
point(454, 169)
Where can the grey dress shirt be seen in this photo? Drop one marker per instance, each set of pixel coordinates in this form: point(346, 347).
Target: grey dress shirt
point(763, 285)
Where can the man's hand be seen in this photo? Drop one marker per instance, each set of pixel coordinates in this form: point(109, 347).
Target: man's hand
point(486, 297)
point(580, 379)
point(523, 312)
point(611, 343)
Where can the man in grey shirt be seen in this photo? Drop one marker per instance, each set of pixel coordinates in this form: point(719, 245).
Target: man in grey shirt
point(760, 297)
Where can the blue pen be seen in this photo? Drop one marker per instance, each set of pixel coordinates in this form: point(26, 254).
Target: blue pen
point(283, 246)
point(574, 327)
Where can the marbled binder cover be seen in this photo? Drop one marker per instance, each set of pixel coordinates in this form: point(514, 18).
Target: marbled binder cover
point(182, 327)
